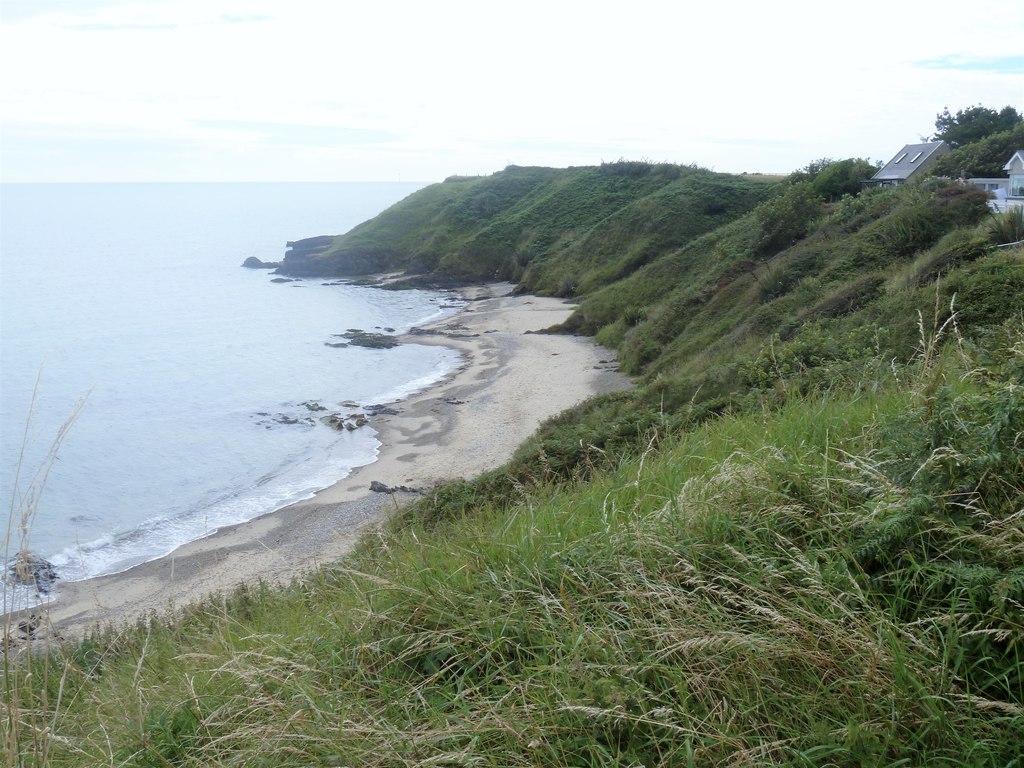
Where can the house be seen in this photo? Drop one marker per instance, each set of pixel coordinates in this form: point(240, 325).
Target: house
point(1007, 193)
point(998, 187)
point(1015, 169)
point(908, 163)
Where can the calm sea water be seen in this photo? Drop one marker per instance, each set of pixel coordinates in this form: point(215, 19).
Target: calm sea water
point(129, 299)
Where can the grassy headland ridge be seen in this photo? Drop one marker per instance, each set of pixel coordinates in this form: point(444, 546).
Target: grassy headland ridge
point(545, 228)
point(798, 541)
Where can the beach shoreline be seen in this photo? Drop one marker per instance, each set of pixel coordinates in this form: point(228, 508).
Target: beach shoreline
point(473, 420)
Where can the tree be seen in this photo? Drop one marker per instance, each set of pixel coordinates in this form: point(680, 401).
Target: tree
point(984, 158)
point(831, 179)
point(973, 124)
point(842, 178)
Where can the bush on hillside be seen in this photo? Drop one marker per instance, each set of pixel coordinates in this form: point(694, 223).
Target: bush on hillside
point(637, 168)
point(843, 178)
point(1007, 227)
point(832, 179)
point(928, 212)
point(988, 291)
point(957, 247)
point(786, 218)
point(809, 360)
point(944, 543)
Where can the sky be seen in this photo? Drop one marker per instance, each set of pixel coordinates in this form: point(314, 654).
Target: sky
point(392, 90)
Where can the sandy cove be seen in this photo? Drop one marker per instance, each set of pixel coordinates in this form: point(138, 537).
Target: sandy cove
point(509, 382)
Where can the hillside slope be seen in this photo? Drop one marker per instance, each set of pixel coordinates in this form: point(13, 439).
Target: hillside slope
point(798, 541)
point(550, 229)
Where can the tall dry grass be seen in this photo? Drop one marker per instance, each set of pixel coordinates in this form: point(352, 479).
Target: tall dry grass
point(28, 714)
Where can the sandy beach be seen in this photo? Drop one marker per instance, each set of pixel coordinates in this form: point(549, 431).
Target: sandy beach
point(509, 382)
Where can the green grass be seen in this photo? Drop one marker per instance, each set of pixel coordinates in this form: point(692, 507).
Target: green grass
point(719, 598)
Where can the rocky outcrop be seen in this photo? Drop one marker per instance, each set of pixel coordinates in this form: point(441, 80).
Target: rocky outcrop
point(302, 259)
point(32, 571)
point(253, 263)
point(326, 256)
point(346, 421)
point(22, 631)
point(369, 339)
point(382, 410)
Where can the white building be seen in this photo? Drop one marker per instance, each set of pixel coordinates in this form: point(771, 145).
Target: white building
point(1015, 170)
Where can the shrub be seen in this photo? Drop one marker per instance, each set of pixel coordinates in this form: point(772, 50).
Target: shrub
point(848, 297)
point(931, 210)
point(958, 247)
point(1007, 227)
point(809, 358)
point(990, 291)
point(944, 541)
point(842, 178)
point(786, 218)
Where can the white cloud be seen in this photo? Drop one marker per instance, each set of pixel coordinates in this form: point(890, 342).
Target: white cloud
point(312, 89)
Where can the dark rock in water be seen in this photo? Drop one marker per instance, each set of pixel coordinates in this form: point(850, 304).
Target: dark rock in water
point(253, 263)
point(349, 422)
point(358, 338)
point(32, 571)
point(286, 419)
point(314, 406)
point(336, 344)
point(355, 421)
point(282, 280)
point(381, 410)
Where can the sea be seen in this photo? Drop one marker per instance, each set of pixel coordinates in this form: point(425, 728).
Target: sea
point(153, 391)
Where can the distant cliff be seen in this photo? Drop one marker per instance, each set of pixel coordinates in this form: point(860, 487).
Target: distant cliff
point(543, 227)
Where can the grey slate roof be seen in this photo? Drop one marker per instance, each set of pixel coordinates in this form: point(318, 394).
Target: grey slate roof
point(909, 159)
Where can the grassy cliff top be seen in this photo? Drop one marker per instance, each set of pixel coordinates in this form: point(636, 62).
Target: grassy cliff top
point(542, 226)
